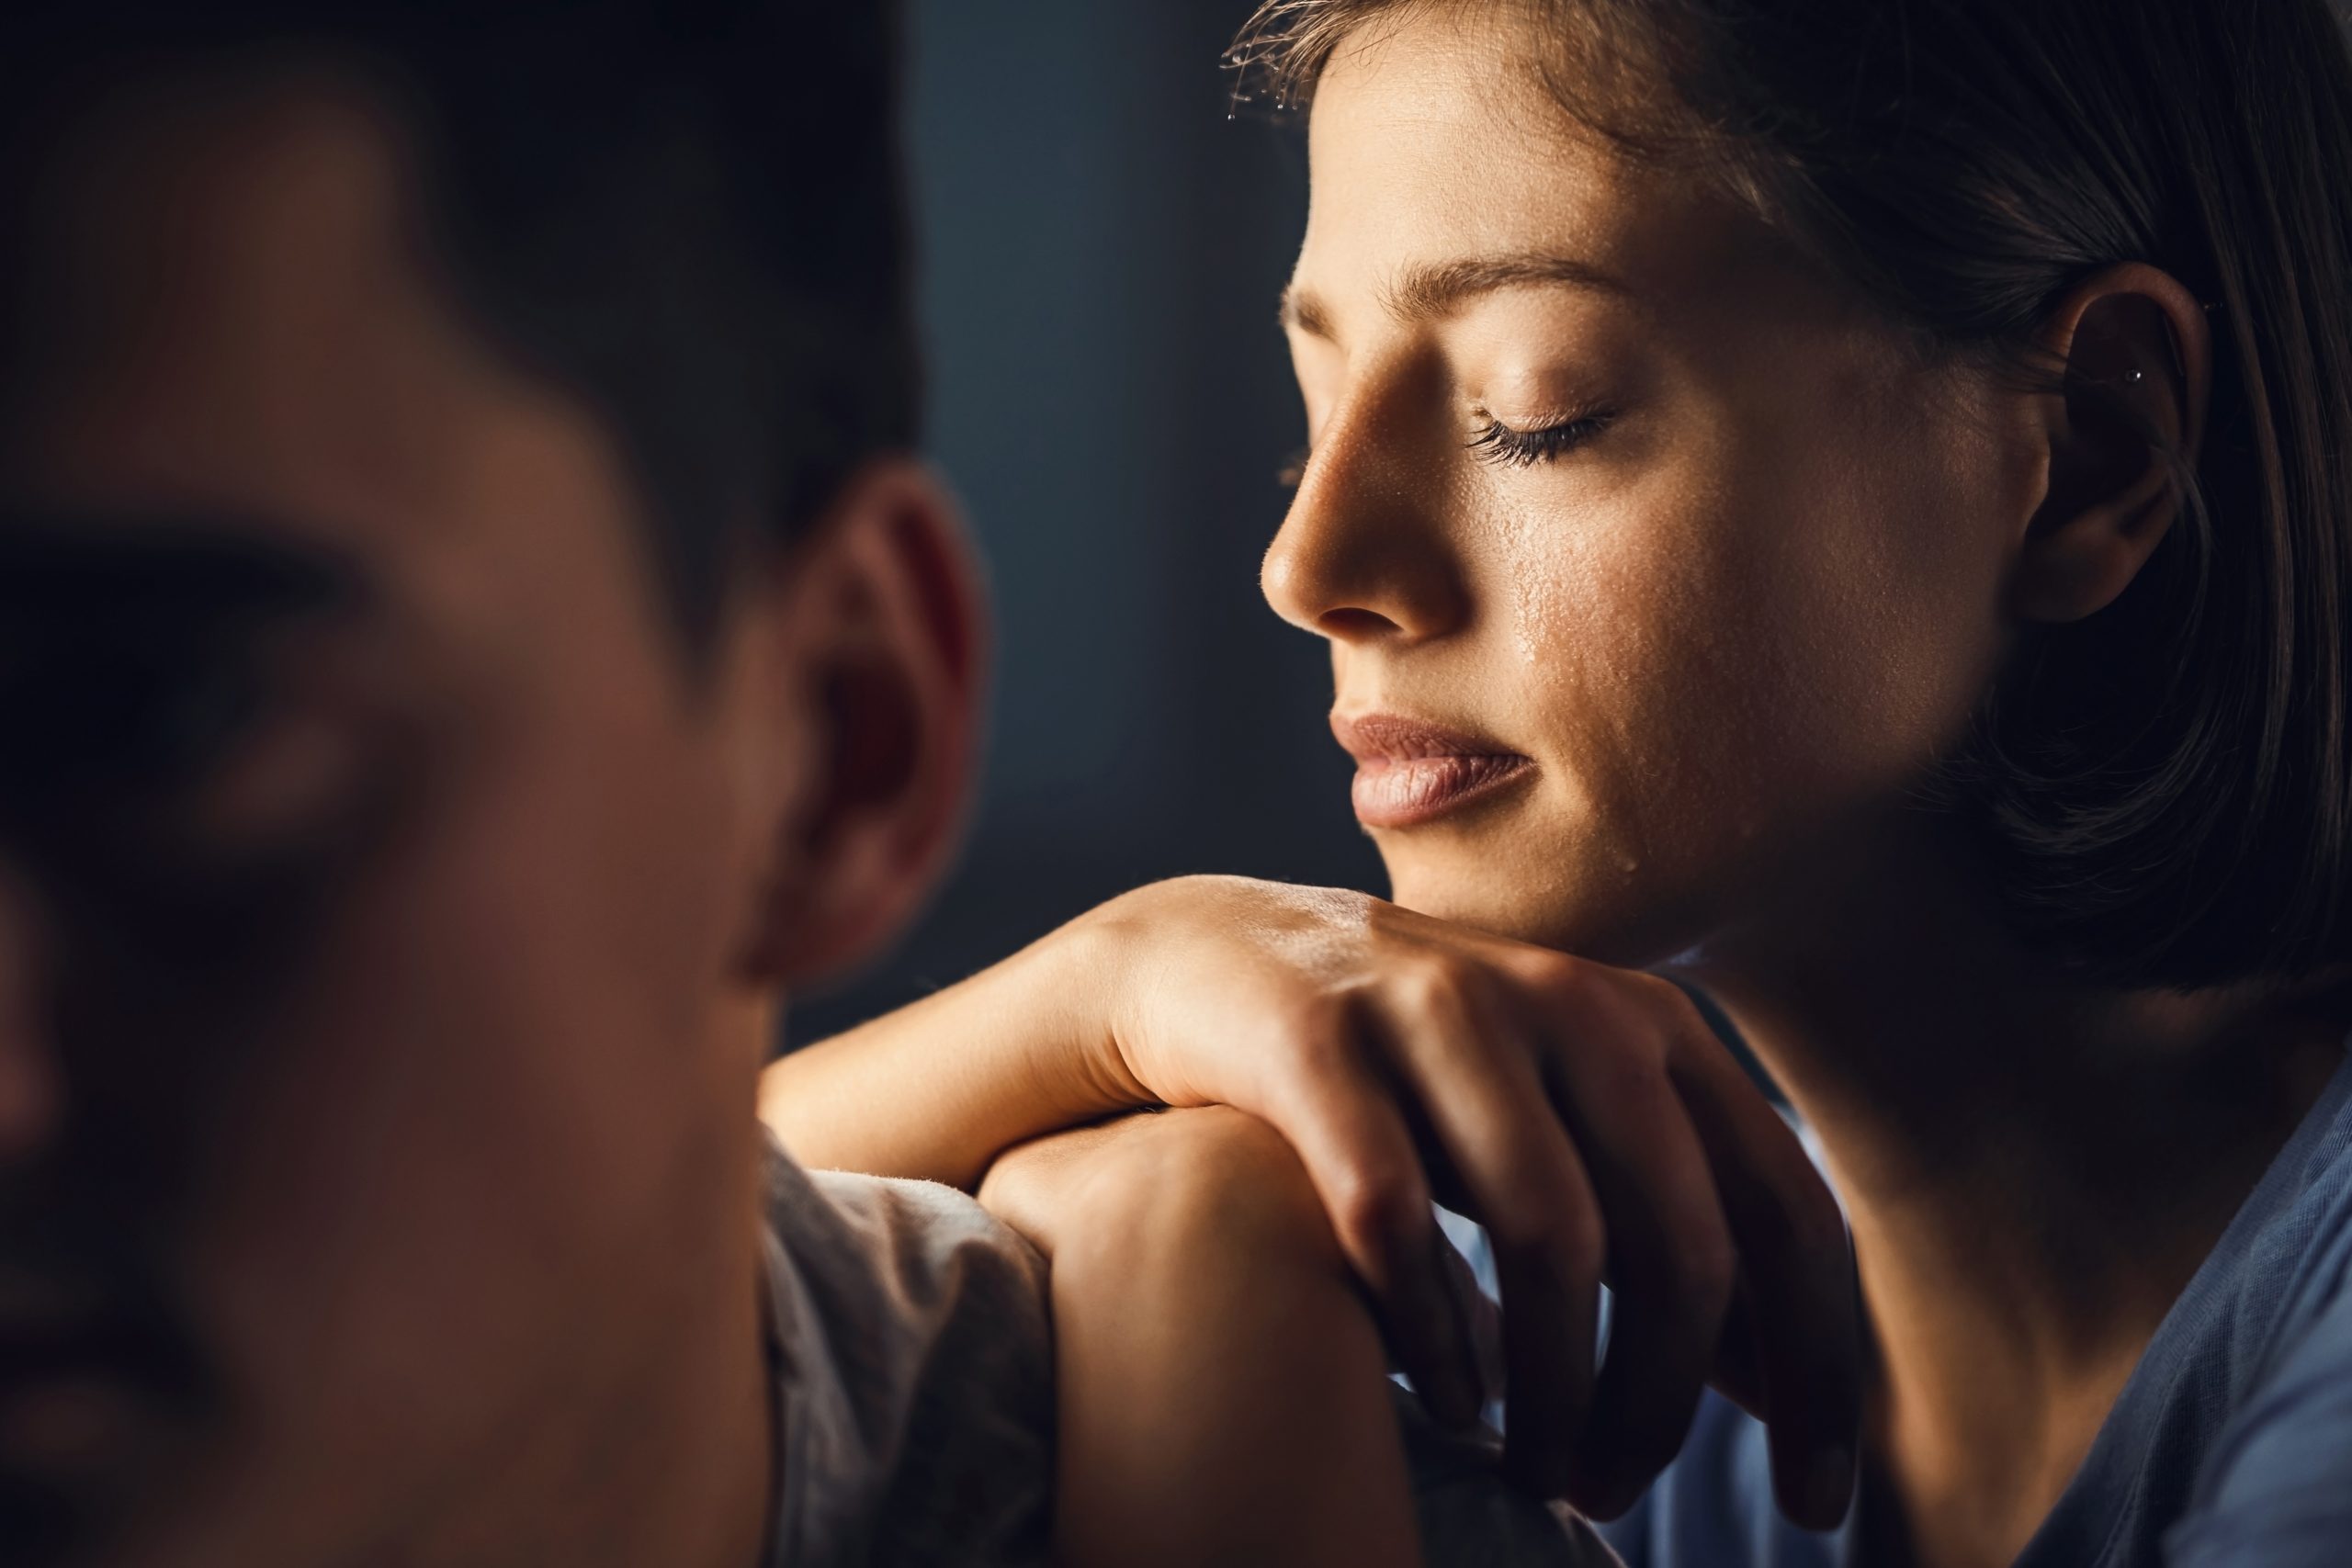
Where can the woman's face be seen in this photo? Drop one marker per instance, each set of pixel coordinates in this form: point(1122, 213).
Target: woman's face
point(1653, 568)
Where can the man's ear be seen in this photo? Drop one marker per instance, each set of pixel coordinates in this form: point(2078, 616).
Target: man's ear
point(890, 647)
point(2121, 436)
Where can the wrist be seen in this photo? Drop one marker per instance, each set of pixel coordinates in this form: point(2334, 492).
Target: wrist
point(940, 1087)
point(1076, 978)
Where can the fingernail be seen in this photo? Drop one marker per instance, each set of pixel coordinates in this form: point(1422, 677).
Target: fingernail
point(1829, 1485)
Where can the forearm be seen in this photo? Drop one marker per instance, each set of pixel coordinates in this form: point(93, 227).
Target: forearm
point(938, 1089)
point(1221, 1387)
point(1251, 1424)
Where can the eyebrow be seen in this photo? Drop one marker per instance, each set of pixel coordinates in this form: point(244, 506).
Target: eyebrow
point(72, 568)
point(1433, 290)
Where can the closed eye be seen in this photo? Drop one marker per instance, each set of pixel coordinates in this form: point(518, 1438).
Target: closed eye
point(1498, 442)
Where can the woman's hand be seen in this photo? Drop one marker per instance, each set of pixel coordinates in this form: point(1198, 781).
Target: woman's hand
point(1584, 1114)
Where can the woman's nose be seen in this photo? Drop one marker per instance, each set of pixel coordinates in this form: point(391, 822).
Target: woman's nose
point(1364, 554)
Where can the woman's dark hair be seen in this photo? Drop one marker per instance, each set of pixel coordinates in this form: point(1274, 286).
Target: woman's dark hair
point(688, 213)
point(2163, 787)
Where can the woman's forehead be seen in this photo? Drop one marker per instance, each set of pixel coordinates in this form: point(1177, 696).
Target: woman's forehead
point(1437, 153)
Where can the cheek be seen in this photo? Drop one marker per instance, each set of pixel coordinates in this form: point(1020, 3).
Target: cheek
point(1764, 625)
point(459, 1165)
point(1548, 572)
point(1860, 589)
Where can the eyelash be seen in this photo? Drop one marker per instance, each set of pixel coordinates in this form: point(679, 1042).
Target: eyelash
point(1498, 442)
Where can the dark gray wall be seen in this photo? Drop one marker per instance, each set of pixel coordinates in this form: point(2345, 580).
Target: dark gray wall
point(1110, 395)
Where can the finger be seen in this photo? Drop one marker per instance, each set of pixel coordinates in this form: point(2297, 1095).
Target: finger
point(1671, 1259)
point(1737, 1373)
point(1484, 1102)
point(1359, 1153)
point(1797, 1280)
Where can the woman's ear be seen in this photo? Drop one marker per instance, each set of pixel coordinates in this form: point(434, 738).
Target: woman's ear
point(2122, 434)
point(889, 648)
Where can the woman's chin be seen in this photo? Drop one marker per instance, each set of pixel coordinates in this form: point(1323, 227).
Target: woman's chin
point(1613, 917)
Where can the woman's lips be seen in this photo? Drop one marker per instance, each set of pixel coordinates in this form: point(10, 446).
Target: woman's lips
point(1409, 772)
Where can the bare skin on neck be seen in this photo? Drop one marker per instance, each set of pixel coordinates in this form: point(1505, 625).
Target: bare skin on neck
point(2033, 1168)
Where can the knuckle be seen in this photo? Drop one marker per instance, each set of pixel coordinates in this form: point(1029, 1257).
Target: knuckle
point(1557, 977)
point(1701, 1270)
point(1429, 983)
point(1673, 1007)
point(1584, 1249)
point(1566, 1238)
point(1411, 988)
point(1523, 1227)
point(1633, 1078)
point(1374, 1208)
point(1476, 983)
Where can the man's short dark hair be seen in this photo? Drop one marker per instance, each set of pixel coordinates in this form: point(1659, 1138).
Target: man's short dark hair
point(688, 215)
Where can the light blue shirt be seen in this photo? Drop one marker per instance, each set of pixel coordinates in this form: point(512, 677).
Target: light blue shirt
point(2232, 1442)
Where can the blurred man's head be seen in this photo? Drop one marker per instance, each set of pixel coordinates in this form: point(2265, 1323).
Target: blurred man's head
point(470, 636)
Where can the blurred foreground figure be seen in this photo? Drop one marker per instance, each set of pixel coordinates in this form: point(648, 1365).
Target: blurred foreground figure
point(469, 639)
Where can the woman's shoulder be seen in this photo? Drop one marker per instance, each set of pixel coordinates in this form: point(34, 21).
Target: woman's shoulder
point(2233, 1442)
point(2277, 1488)
point(2234, 1437)
point(2276, 1484)
point(2276, 1295)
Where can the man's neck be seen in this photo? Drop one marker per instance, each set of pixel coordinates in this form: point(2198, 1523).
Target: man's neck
point(662, 1454)
point(2033, 1168)
point(687, 1477)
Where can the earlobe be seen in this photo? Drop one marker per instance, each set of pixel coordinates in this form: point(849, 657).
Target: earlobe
point(2122, 429)
point(890, 662)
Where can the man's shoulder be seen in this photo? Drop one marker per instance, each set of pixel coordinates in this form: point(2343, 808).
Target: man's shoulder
point(915, 1374)
point(927, 1246)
